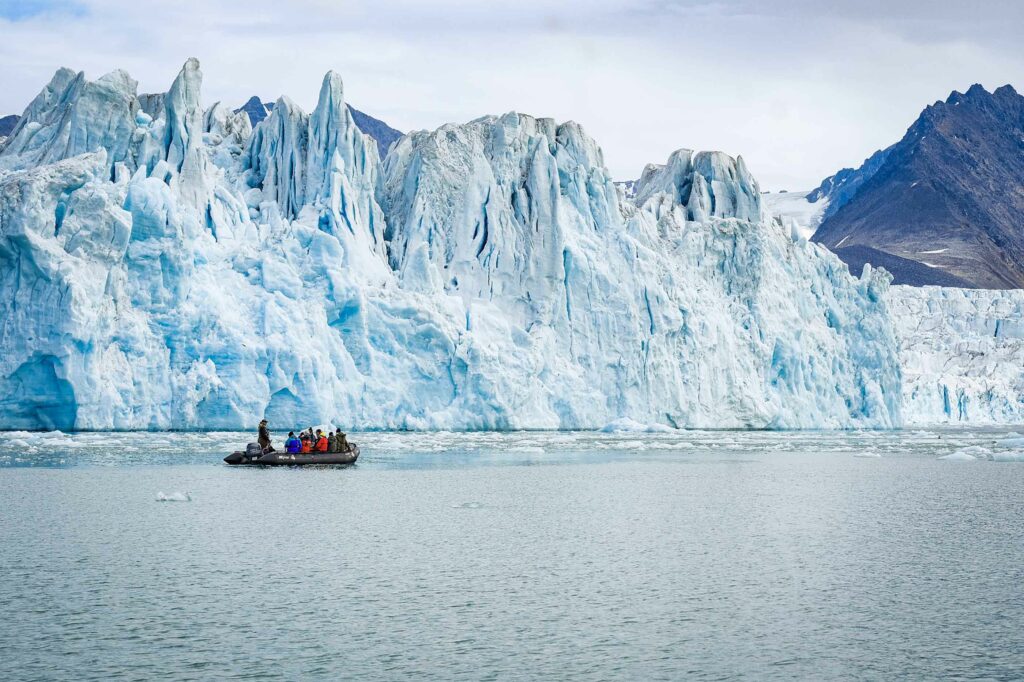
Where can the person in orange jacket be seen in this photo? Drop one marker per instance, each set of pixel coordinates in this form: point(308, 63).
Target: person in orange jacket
point(307, 444)
point(321, 441)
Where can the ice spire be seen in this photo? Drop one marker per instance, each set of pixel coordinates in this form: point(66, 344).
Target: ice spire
point(277, 153)
point(184, 114)
point(328, 128)
point(341, 166)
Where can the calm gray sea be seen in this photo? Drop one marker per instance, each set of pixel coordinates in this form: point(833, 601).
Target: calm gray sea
point(593, 556)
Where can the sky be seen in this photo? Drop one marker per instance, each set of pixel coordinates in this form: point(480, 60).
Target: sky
point(799, 88)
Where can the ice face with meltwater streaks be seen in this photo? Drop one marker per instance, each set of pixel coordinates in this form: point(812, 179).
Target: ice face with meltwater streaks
point(185, 270)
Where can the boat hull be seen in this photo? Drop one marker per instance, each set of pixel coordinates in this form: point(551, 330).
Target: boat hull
point(298, 459)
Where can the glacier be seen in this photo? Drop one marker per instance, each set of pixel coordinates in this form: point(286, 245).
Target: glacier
point(962, 354)
point(165, 265)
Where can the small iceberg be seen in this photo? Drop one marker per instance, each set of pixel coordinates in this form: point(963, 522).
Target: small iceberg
point(173, 497)
point(627, 425)
point(970, 454)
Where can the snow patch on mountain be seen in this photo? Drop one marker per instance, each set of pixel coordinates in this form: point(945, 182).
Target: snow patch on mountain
point(795, 211)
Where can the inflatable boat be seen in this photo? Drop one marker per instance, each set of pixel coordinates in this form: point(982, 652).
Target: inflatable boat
point(298, 459)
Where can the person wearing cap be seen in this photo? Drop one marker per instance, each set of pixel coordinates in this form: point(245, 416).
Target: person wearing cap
point(264, 437)
point(341, 441)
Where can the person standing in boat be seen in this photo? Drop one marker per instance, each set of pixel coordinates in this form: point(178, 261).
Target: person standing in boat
point(264, 437)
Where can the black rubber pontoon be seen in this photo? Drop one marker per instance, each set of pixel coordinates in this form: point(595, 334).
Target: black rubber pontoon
point(298, 459)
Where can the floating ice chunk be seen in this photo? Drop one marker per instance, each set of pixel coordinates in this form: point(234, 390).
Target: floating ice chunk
point(628, 425)
point(959, 457)
point(1017, 442)
point(868, 454)
point(1008, 456)
point(968, 454)
point(173, 497)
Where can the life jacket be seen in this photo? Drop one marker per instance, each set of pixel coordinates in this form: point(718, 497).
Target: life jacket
point(321, 445)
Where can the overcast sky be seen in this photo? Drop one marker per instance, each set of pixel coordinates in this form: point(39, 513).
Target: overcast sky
point(800, 88)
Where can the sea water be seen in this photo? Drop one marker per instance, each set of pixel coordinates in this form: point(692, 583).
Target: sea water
point(639, 555)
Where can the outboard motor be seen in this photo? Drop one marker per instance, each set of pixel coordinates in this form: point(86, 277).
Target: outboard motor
point(253, 451)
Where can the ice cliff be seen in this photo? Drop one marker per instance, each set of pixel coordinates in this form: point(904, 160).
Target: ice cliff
point(962, 352)
point(166, 265)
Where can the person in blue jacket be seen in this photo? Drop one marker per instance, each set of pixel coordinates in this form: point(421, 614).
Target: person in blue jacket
point(293, 444)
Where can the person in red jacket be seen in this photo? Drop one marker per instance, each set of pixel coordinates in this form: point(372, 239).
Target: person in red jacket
point(306, 443)
point(321, 441)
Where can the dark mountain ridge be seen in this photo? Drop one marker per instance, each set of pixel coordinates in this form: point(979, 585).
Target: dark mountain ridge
point(256, 110)
point(7, 124)
point(949, 196)
point(838, 189)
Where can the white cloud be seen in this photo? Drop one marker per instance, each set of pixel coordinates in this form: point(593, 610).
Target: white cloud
point(799, 88)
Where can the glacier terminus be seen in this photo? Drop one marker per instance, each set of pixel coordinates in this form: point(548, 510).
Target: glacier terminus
point(165, 265)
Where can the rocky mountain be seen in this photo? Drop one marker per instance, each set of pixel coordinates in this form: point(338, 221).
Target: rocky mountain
point(380, 131)
point(255, 109)
point(7, 124)
point(945, 204)
point(904, 270)
point(835, 191)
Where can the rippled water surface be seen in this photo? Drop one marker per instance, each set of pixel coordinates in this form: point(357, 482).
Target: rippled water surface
point(700, 555)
